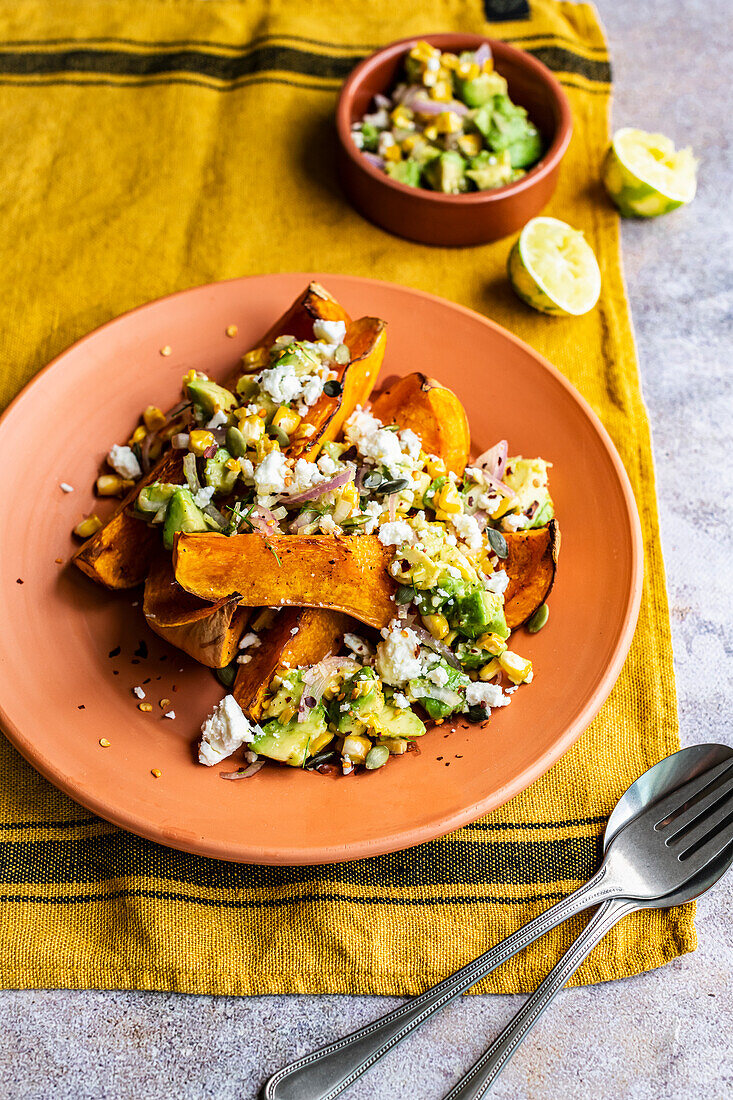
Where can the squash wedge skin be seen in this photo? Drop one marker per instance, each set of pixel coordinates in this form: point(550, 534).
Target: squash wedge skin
point(118, 555)
point(530, 564)
point(209, 633)
point(298, 636)
point(340, 572)
point(433, 412)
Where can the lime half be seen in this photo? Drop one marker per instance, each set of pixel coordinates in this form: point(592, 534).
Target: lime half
point(553, 268)
point(645, 176)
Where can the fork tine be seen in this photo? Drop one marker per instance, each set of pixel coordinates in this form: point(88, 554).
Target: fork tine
point(697, 820)
point(708, 851)
point(676, 801)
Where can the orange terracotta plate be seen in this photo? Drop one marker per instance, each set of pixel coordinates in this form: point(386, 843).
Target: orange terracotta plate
point(71, 652)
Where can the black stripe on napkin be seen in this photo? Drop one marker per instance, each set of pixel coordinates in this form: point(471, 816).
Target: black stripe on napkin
point(505, 11)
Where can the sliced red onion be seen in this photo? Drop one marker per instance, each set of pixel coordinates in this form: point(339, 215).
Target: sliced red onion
point(498, 485)
point(483, 53)
point(374, 160)
point(323, 487)
point(417, 101)
point(494, 460)
point(482, 519)
point(392, 505)
point(316, 681)
point(303, 520)
point(173, 413)
point(264, 521)
point(210, 451)
point(251, 770)
point(438, 647)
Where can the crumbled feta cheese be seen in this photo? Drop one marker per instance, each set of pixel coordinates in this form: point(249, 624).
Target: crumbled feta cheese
point(66, 488)
point(124, 462)
point(357, 645)
point(294, 630)
point(377, 444)
point(396, 533)
point(515, 523)
point(374, 510)
point(468, 530)
point(490, 694)
point(269, 477)
point(169, 714)
point(281, 383)
point(250, 640)
point(328, 525)
point(327, 466)
point(244, 658)
point(304, 476)
point(203, 496)
point(410, 442)
point(438, 676)
point(497, 582)
point(398, 655)
point(400, 700)
point(312, 390)
point(247, 467)
point(331, 332)
point(139, 692)
point(224, 731)
point(218, 420)
point(452, 571)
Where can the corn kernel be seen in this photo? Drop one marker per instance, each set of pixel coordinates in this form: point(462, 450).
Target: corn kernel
point(403, 117)
point(448, 123)
point(409, 144)
point(392, 152)
point(442, 92)
point(488, 66)
point(109, 485)
point(423, 51)
point(517, 668)
point(435, 466)
point(145, 707)
point(137, 436)
point(255, 359)
point(285, 715)
point(431, 132)
point(492, 643)
point(449, 61)
point(505, 505)
point(449, 500)
point(167, 350)
point(233, 464)
point(153, 418)
point(437, 624)
point(231, 330)
point(356, 748)
point(468, 70)
point(287, 419)
point(199, 440)
point(397, 745)
point(104, 742)
point(156, 773)
point(88, 526)
point(470, 144)
point(490, 670)
point(350, 493)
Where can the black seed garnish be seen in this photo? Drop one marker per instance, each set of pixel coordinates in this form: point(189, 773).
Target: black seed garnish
point(142, 649)
point(333, 388)
point(115, 652)
point(20, 581)
point(81, 707)
point(147, 681)
point(134, 661)
point(115, 672)
point(497, 542)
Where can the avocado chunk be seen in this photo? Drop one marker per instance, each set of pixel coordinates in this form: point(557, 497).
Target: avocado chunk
point(526, 150)
point(216, 474)
point(400, 722)
point(295, 741)
point(368, 713)
point(528, 478)
point(442, 691)
point(480, 90)
point(182, 515)
point(489, 170)
point(447, 173)
point(404, 171)
point(209, 396)
point(479, 612)
point(505, 126)
point(151, 498)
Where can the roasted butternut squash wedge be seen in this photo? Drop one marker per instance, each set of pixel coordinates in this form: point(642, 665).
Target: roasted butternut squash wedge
point(340, 572)
point(119, 554)
point(530, 564)
point(298, 636)
point(431, 411)
point(208, 632)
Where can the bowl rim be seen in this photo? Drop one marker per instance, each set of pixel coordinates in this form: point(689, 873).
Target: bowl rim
point(546, 165)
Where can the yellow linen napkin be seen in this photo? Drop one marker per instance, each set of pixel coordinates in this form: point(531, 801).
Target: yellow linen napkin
point(150, 147)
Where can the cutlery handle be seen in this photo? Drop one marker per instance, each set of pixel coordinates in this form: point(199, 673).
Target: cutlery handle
point(325, 1073)
point(484, 1072)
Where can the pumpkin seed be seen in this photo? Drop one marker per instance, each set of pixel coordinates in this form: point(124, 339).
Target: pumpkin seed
point(373, 480)
point(227, 675)
point(405, 593)
point(276, 432)
point(377, 757)
point(332, 388)
point(539, 619)
point(236, 443)
point(396, 486)
point(497, 542)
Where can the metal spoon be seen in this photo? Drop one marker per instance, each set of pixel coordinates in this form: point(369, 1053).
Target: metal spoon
point(325, 1073)
point(484, 1072)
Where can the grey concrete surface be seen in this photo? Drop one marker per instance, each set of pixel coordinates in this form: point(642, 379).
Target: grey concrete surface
point(661, 1036)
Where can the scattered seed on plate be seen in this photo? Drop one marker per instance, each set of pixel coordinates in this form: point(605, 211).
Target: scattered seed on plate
point(156, 773)
point(115, 652)
point(58, 561)
point(139, 692)
point(20, 581)
point(146, 707)
point(104, 742)
point(164, 703)
point(167, 350)
point(66, 488)
point(81, 707)
point(232, 330)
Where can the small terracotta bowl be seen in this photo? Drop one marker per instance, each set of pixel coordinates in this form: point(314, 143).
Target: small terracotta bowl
point(429, 216)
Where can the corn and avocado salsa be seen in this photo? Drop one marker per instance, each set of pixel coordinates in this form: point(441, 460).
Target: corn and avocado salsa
point(449, 125)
